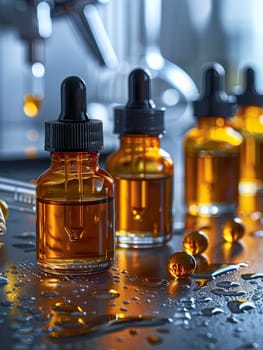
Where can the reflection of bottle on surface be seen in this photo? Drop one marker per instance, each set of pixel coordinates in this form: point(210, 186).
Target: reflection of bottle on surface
point(75, 207)
point(143, 172)
point(248, 120)
point(212, 152)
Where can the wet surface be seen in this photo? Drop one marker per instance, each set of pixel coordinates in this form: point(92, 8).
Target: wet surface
point(136, 303)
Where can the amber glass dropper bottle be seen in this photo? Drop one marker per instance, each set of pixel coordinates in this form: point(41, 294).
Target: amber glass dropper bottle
point(212, 151)
point(248, 120)
point(75, 208)
point(142, 170)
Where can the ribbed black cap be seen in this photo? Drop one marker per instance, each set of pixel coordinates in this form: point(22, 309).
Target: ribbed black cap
point(249, 96)
point(73, 131)
point(139, 116)
point(214, 102)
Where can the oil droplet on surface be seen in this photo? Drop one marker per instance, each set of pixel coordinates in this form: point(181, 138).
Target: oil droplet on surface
point(154, 340)
point(181, 264)
point(251, 276)
point(211, 311)
point(233, 230)
point(106, 294)
point(195, 242)
point(32, 105)
point(66, 307)
point(240, 305)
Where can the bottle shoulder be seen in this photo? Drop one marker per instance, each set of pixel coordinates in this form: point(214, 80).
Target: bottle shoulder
point(214, 137)
point(248, 120)
point(156, 161)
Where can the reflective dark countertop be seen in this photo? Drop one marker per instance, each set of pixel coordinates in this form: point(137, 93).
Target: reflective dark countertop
point(136, 304)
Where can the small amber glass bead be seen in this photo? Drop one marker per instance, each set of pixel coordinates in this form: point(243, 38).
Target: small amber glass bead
point(4, 208)
point(195, 242)
point(181, 264)
point(233, 230)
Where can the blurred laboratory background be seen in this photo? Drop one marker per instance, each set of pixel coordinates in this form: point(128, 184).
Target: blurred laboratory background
point(43, 41)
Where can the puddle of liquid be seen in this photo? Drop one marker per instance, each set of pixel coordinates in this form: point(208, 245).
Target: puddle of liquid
point(215, 270)
point(106, 324)
point(241, 305)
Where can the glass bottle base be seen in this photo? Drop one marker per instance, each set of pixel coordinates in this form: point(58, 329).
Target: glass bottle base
point(212, 209)
point(74, 267)
point(126, 239)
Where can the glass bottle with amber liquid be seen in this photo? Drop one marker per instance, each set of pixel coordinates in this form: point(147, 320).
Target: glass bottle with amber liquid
point(212, 151)
point(248, 120)
point(142, 170)
point(75, 224)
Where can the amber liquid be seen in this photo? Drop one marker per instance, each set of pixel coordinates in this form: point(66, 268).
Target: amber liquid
point(146, 216)
point(211, 182)
point(76, 237)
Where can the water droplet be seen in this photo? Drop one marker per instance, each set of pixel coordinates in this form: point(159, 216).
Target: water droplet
point(49, 294)
point(232, 319)
point(134, 331)
point(229, 293)
point(238, 306)
point(211, 311)
point(154, 340)
point(106, 294)
point(155, 282)
point(251, 276)
point(124, 309)
point(227, 284)
point(29, 246)
point(26, 235)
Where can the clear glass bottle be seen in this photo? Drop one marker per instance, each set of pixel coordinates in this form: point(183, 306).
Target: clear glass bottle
point(75, 224)
point(143, 172)
point(248, 120)
point(212, 152)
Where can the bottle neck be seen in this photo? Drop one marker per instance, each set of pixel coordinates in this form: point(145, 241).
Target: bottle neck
point(85, 159)
point(139, 141)
point(208, 122)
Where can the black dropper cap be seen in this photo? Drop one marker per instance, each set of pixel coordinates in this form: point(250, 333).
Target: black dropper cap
point(249, 97)
point(139, 116)
point(73, 131)
point(214, 102)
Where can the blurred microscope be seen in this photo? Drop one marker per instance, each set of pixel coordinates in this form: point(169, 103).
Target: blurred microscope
point(33, 38)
